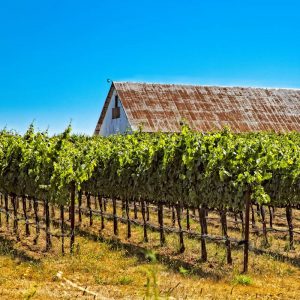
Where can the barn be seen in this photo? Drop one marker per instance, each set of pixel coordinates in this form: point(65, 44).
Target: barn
point(163, 107)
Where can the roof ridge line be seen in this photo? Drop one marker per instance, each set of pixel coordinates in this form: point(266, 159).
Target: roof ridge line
point(206, 85)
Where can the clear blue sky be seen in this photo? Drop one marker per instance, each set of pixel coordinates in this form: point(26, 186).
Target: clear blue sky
point(55, 56)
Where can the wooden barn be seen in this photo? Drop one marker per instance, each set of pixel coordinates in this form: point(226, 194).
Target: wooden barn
point(162, 107)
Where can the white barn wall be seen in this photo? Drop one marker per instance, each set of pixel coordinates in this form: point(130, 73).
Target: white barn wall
point(114, 126)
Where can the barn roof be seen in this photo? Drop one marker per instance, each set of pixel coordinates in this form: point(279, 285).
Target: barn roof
point(162, 107)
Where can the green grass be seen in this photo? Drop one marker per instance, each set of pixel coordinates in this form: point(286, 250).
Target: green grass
point(242, 279)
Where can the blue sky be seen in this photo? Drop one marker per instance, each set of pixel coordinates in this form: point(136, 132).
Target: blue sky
point(55, 56)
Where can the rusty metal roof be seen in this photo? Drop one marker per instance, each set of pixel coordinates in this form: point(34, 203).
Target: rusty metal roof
point(162, 107)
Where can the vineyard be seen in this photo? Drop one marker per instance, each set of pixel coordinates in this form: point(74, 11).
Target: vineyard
point(246, 186)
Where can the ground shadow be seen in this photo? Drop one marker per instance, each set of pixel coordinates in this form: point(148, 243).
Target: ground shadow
point(141, 253)
point(7, 248)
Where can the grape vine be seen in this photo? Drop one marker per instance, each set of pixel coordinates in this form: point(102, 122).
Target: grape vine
point(214, 169)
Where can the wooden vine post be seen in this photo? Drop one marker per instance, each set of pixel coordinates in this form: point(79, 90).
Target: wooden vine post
point(144, 220)
point(128, 218)
point(100, 200)
point(135, 209)
point(52, 211)
point(95, 202)
point(202, 220)
point(79, 206)
point(37, 221)
point(1, 205)
point(88, 201)
point(6, 210)
point(123, 208)
point(225, 233)
point(15, 209)
point(161, 223)
point(115, 216)
point(264, 222)
point(147, 211)
point(289, 217)
point(258, 210)
point(72, 218)
point(30, 204)
point(188, 227)
point(247, 224)
point(62, 221)
point(173, 216)
point(47, 219)
point(252, 217)
point(271, 216)
point(44, 211)
point(181, 242)
point(105, 204)
point(243, 223)
point(27, 231)
point(236, 224)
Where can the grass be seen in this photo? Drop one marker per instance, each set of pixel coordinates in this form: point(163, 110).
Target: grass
point(118, 268)
point(242, 279)
point(115, 273)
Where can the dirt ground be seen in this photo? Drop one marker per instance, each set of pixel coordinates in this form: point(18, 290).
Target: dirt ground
point(104, 266)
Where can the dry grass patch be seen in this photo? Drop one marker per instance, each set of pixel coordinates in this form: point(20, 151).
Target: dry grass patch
point(116, 274)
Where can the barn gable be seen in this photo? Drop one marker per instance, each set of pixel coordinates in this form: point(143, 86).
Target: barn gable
point(113, 118)
point(162, 107)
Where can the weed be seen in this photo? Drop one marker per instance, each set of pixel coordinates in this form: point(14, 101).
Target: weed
point(287, 247)
point(151, 256)
point(30, 293)
point(100, 281)
point(152, 291)
point(290, 271)
point(125, 280)
point(183, 271)
point(242, 280)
